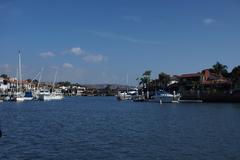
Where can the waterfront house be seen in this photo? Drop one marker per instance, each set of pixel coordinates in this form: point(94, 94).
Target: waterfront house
point(205, 78)
point(211, 78)
point(13, 83)
point(212, 82)
point(3, 84)
point(189, 82)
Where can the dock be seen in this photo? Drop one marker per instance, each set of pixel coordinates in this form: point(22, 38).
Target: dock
point(190, 101)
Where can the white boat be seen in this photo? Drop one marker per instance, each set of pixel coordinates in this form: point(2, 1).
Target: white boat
point(46, 95)
point(164, 97)
point(124, 96)
point(18, 97)
point(7, 98)
point(127, 95)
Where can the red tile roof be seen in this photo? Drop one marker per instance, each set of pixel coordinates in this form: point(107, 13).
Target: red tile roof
point(191, 75)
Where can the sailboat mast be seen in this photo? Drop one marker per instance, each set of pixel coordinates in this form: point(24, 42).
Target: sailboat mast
point(127, 84)
point(40, 78)
point(17, 81)
point(55, 78)
point(20, 68)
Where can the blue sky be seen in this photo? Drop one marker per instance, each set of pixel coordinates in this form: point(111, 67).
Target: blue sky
point(103, 41)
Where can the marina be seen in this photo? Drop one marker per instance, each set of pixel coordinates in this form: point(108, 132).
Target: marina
point(119, 80)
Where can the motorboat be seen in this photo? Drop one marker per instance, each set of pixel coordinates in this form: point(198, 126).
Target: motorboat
point(124, 96)
point(162, 96)
point(46, 95)
point(127, 95)
point(7, 98)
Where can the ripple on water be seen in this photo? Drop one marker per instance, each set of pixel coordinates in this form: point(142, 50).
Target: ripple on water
point(103, 128)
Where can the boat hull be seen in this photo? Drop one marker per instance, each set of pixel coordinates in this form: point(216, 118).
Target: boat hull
point(50, 97)
point(162, 99)
point(19, 99)
point(28, 98)
point(124, 96)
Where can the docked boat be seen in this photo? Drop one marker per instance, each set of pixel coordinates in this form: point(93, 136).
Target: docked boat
point(124, 96)
point(7, 98)
point(46, 95)
point(28, 96)
point(18, 97)
point(162, 96)
point(127, 95)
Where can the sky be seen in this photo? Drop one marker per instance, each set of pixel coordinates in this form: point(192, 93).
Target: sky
point(106, 41)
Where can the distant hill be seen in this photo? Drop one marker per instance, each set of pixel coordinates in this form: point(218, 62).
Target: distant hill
point(112, 86)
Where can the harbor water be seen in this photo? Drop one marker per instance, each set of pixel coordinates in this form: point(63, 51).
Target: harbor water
point(91, 128)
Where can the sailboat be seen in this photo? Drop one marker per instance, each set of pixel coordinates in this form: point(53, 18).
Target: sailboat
point(19, 97)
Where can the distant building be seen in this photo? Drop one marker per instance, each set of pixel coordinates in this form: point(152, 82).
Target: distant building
point(3, 84)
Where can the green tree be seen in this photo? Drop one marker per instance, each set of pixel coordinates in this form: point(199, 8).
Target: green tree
point(145, 79)
point(235, 76)
point(164, 79)
point(29, 80)
point(35, 81)
point(220, 69)
point(66, 83)
point(4, 76)
point(108, 90)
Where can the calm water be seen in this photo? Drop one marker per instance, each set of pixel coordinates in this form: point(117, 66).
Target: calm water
point(104, 128)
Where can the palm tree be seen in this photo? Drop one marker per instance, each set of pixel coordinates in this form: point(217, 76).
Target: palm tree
point(145, 79)
point(235, 75)
point(220, 69)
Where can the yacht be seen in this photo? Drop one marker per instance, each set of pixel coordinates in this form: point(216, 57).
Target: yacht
point(124, 96)
point(46, 95)
point(127, 95)
point(162, 96)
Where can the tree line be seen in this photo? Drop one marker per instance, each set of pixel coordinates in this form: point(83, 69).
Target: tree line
point(163, 78)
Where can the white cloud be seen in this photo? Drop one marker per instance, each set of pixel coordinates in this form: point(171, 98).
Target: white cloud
point(87, 57)
point(47, 54)
point(67, 65)
point(93, 58)
point(209, 21)
point(76, 51)
point(125, 38)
